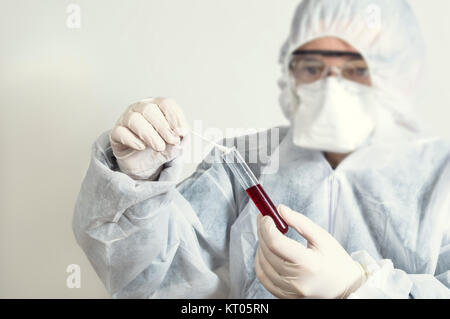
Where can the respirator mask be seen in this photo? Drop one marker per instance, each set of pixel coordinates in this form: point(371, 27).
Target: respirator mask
point(335, 105)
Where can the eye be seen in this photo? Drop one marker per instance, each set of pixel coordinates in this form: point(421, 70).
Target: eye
point(312, 70)
point(362, 71)
point(357, 72)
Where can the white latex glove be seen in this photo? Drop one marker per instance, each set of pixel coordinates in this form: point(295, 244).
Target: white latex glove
point(288, 269)
point(147, 136)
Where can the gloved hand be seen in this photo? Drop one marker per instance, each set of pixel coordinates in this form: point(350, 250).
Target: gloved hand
point(288, 269)
point(147, 136)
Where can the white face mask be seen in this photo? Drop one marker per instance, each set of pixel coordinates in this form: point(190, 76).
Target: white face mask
point(334, 115)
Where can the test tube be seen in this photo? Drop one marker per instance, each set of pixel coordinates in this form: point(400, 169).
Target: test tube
point(252, 187)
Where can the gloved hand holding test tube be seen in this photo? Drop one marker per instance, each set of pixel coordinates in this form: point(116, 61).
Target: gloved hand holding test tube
point(250, 183)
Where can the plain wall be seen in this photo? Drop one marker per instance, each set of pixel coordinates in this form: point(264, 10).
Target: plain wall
point(60, 88)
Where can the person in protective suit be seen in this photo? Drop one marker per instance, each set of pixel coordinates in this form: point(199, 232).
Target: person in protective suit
point(365, 193)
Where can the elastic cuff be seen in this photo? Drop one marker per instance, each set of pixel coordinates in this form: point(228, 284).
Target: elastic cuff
point(150, 175)
point(383, 280)
point(355, 286)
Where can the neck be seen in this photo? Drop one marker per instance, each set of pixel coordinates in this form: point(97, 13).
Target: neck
point(335, 158)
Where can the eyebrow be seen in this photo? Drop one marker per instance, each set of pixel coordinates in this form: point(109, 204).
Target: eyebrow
point(329, 53)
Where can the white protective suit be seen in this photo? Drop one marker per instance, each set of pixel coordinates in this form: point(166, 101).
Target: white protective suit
point(388, 203)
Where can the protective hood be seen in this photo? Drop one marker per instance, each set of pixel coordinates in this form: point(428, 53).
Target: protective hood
point(385, 32)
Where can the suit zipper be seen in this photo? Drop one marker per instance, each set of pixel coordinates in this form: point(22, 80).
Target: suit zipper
point(334, 191)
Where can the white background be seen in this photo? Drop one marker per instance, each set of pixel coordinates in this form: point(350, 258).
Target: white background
point(60, 88)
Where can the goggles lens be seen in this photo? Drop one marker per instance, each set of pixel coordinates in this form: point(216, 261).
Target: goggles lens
point(307, 69)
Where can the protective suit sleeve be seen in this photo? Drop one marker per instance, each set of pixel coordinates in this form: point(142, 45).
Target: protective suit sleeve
point(385, 281)
point(156, 239)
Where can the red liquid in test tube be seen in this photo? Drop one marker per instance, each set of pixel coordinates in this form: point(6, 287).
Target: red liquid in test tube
point(252, 187)
point(266, 207)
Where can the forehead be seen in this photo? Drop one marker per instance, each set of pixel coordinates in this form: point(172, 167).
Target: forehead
point(328, 43)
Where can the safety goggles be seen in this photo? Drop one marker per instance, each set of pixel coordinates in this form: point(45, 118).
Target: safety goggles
point(309, 66)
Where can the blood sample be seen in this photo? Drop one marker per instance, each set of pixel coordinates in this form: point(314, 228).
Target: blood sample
point(266, 207)
point(252, 186)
